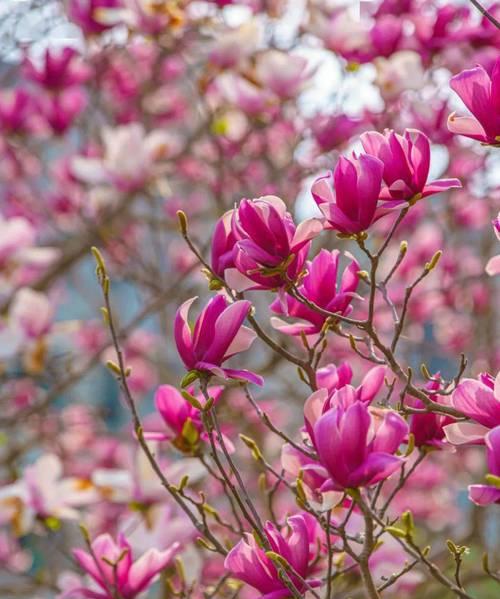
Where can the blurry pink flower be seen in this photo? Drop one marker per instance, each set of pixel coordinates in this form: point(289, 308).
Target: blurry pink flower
point(42, 492)
point(333, 131)
point(61, 110)
point(16, 111)
point(248, 562)
point(493, 266)
point(406, 161)
point(348, 197)
point(283, 73)
point(320, 287)
point(400, 72)
point(132, 157)
point(60, 69)
point(232, 46)
point(480, 92)
point(479, 400)
point(217, 335)
point(32, 312)
point(357, 446)
point(269, 247)
point(15, 234)
point(489, 493)
point(112, 568)
point(87, 14)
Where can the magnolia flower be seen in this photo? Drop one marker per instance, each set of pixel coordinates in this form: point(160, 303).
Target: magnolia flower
point(406, 161)
point(489, 493)
point(493, 266)
point(217, 335)
point(401, 72)
point(43, 493)
point(268, 248)
point(320, 287)
point(88, 14)
point(428, 428)
point(132, 158)
point(480, 92)
point(234, 45)
point(248, 562)
point(480, 401)
point(59, 70)
point(31, 312)
point(113, 570)
point(183, 421)
point(284, 74)
point(357, 446)
point(348, 197)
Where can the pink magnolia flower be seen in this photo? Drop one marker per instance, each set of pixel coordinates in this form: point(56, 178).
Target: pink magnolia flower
point(489, 493)
point(269, 247)
point(428, 429)
point(86, 14)
point(183, 421)
point(283, 73)
point(333, 131)
point(217, 335)
point(406, 161)
point(112, 567)
point(348, 197)
point(357, 446)
point(32, 312)
point(479, 400)
point(480, 92)
point(320, 287)
point(493, 266)
point(248, 562)
point(16, 111)
point(61, 110)
point(60, 69)
point(43, 492)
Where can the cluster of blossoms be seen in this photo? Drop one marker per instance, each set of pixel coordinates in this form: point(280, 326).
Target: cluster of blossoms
point(328, 425)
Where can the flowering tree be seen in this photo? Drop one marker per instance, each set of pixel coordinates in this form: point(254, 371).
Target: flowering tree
point(248, 335)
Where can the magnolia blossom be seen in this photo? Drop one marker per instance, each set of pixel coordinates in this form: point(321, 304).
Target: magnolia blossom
point(357, 446)
point(493, 266)
point(44, 493)
point(248, 562)
point(479, 400)
point(60, 69)
point(320, 287)
point(31, 312)
point(268, 247)
point(480, 92)
point(284, 74)
point(114, 572)
point(406, 161)
point(132, 158)
point(489, 493)
point(400, 72)
point(348, 197)
point(88, 15)
point(217, 335)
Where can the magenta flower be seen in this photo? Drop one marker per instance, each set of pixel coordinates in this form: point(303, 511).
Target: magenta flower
point(480, 92)
point(348, 197)
point(248, 562)
point(217, 335)
point(320, 287)
point(480, 401)
point(183, 421)
point(490, 493)
point(428, 428)
point(85, 13)
point(112, 568)
point(357, 445)
point(269, 247)
point(406, 161)
point(60, 69)
point(223, 240)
